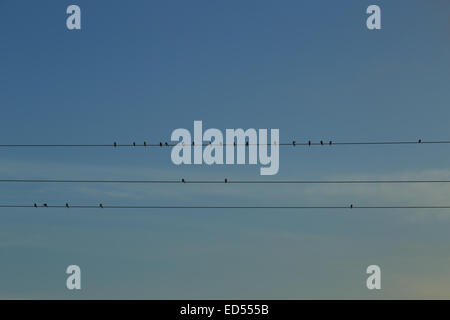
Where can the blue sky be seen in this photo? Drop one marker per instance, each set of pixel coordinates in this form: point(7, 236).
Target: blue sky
point(137, 71)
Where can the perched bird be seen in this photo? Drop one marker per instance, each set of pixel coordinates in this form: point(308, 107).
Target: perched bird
point(45, 205)
point(351, 206)
point(134, 144)
point(182, 180)
point(167, 144)
point(35, 205)
point(294, 143)
point(160, 144)
point(331, 142)
point(321, 142)
point(420, 140)
point(101, 205)
point(67, 205)
point(226, 180)
point(145, 143)
point(309, 142)
point(115, 144)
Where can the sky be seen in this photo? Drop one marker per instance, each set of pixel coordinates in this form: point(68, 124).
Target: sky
point(138, 70)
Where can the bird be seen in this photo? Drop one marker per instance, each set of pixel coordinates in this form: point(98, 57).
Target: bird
point(351, 206)
point(309, 142)
point(160, 144)
point(420, 141)
point(67, 205)
point(321, 142)
point(226, 180)
point(167, 144)
point(101, 205)
point(331, 142)
point(45, 205)
point(134, 144)
point(35, 205)
point(246, 143)
point(115, 144)
point(182, 180)
point(145, 143)
point(294, 143)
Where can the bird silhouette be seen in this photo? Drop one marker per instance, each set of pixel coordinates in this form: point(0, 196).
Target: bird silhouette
point(420, 140)
point(182, 180)
point(134, 144)
point(294, 143)
point(309, 142)
point(226, 180)
point(35, 205)
point(115, 144)
point(167, 144)
point(67, 205)
point(160, 144)
point(145, 143)
point(45, 205)
point(101, 205)
point(321, 142)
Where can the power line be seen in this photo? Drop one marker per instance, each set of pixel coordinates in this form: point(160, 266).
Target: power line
point(225, 181)
point(166, 144)
point(101, 206)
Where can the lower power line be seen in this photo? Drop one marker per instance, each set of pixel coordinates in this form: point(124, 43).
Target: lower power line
point(101, 206)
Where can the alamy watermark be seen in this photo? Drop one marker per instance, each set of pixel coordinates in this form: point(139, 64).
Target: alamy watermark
point(73, 22)
point(208, 147)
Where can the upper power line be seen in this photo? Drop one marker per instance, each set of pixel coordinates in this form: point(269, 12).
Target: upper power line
point(167, 144)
